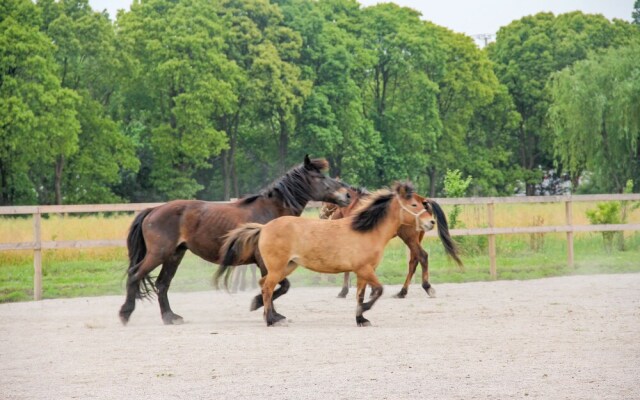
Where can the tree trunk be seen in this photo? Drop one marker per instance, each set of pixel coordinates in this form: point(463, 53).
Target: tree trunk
point(4, 186)
point(431, 172)
point(283, 145)
point(226, 174)
point(233, 148)
point(58, 179)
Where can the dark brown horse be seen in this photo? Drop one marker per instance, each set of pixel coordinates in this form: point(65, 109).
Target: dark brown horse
point(410, 236)
point(162, 235)
point(354, 243)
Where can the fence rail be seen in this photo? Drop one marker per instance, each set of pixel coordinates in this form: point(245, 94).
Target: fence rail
point(37, 245)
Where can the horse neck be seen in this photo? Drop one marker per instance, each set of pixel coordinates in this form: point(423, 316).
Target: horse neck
point(282, 208)
point(295, 201)
point(388, 227)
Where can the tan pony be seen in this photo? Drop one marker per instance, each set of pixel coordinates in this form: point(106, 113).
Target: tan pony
point(355, 243)
point(408, 234)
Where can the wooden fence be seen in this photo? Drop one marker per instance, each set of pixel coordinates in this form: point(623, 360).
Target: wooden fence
point(37, 245)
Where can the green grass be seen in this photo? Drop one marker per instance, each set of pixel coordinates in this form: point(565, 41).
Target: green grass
point(96, 272)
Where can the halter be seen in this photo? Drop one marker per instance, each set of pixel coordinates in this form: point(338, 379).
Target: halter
point(415, 215)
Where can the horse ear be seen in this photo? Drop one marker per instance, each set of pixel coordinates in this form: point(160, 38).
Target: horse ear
point(404, 189)
point(307, 162)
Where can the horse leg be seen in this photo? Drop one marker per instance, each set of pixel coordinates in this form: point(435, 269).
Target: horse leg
point(243, 278)
point(135, 277)
point(423, 256)
point(254, 279)
point(235, 273)
point(168, 271)
point(365, 277)
point(284, 286)
point(361, 285)
point(270, 315)
point(413, 263)
point(257, 301)
point(129, 305)
point(345, 286)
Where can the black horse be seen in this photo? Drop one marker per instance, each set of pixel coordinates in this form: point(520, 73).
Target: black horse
point(162, 235)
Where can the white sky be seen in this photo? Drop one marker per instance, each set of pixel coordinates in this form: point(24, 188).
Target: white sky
point(472, 17)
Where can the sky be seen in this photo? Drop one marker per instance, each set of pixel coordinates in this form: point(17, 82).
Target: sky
point(472, 17)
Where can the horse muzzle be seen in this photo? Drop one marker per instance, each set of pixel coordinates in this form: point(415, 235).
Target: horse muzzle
point(341, 197)
point(427, 225)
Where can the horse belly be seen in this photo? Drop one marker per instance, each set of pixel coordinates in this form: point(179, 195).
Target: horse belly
point(325, 264)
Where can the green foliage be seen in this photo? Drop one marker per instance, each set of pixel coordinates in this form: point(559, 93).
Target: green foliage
point(212, 100)
point(595, 116)
point(526, 53)
point(38, 118)
point(176, 89)
point(455, 186)
point(606, 213)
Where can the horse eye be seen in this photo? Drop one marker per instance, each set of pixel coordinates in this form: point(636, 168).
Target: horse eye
point(414, 205)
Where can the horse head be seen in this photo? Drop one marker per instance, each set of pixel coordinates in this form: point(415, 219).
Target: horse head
point(413, 207)
point(322, 187)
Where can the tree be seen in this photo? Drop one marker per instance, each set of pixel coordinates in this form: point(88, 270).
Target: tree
point(467, 86)
point(38, 118)
point(526, 53)
point(331, 121)
point(176, 92)
point(595, 115)
point(88, 165)
point(635, 15)
point(399, 96)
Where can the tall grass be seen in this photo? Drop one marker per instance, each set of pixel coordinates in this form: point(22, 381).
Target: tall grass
point(100, 271)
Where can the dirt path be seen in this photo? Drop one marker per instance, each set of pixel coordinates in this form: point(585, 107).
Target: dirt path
point(559, 338)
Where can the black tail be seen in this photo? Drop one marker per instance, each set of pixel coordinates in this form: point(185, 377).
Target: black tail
point(137, 251)
point(443, 232)
point(240, 246)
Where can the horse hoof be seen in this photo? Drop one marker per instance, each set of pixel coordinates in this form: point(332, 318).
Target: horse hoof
point(365, 323)
point(362, 321)
point(172, 319)
point(124, 319)
point(256, 303)
point(278, 322)
point(431, 292)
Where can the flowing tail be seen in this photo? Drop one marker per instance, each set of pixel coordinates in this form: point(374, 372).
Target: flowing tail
point(443, 232)
point(240, 244)
point(137, 251)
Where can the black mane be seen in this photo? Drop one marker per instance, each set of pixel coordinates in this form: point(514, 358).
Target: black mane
point(372, 214)
point(248, 199)
point(293, 187)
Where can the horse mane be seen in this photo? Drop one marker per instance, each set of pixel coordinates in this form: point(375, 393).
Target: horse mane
point(293, 187)
point(377, 205)
point(373, 212)
point(248, 199)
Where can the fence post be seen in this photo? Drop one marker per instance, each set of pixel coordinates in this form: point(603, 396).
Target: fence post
point(568, 207)
point(37, 256)
point(492, 243)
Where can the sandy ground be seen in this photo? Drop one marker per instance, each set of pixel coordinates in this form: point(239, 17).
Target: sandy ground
point(559, 338)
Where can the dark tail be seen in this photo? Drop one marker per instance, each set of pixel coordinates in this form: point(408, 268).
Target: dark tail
point(240, 245)
point(137, 251)
point(443, 232)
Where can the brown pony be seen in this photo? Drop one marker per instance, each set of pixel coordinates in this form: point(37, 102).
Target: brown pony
point(410, 236)
point(354, 243)
point(162, 235)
